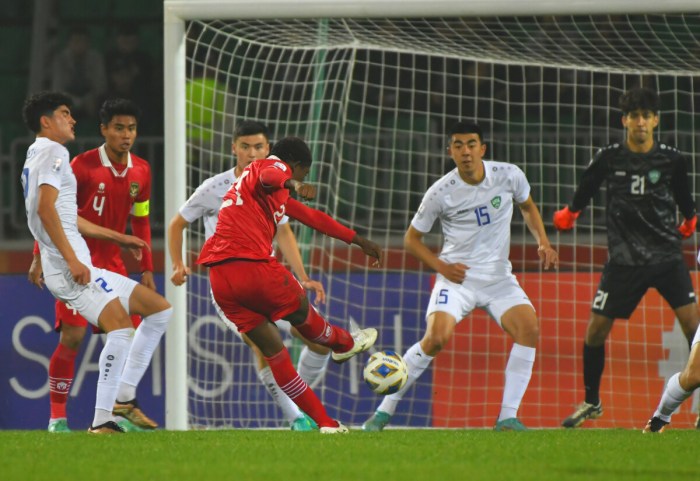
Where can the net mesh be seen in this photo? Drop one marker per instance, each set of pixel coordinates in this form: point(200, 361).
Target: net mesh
point(373, 97)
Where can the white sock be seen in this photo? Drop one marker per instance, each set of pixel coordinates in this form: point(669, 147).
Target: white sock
point(518, 374)
point(290, 411)
point(673, 396)
point(111, 363)
point(145, 342)
point(312, 365)
point(417, 361)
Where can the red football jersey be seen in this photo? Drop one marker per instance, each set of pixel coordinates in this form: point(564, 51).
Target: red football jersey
point(249, 214)
point(107, 195)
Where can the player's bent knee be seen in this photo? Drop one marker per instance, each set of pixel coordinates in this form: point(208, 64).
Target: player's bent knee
point(114, 316)
point(690, 378)
point(433, 344)
point(299, 316)
point(145, 302)
point(72, 336)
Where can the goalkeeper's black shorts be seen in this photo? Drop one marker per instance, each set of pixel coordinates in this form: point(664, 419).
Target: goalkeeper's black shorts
point(622, 287)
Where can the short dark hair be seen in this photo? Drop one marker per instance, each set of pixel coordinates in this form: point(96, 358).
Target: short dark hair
point(113, 107)
point(639, 98)
point(292, 150)
point(40, 104)
point(250, 127)
point(462, 127)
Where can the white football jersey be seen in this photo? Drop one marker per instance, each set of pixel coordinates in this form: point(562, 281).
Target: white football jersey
point(475, 219)
point(206, 201)
point(48, 163)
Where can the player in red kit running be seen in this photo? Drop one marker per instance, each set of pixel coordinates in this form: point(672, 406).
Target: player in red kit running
point(114, 186)
point(253, 289)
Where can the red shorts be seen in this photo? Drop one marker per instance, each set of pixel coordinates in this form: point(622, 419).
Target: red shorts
point(67, 315)
point(250, 293)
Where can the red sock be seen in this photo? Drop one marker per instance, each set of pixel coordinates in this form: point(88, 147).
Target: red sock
point(298, 391)
point(317, 329)
point(61, 372)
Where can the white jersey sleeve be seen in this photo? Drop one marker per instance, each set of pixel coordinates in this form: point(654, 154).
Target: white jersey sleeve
point(205, 202)
point(429, 210)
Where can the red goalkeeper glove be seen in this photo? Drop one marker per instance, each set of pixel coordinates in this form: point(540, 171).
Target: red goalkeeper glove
point(688, 227)
point(564, 219)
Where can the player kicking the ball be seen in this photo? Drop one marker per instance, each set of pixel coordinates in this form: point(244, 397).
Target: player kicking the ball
point(254, 290)
point(251, 142)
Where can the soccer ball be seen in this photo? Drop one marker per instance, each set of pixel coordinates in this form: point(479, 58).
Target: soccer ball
point(386, 372)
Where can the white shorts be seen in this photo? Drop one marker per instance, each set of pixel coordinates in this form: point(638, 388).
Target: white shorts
point(90, 300)
point(493, 296)
point(282, 325)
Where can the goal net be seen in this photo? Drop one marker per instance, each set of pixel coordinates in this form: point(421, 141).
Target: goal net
point(374, 97)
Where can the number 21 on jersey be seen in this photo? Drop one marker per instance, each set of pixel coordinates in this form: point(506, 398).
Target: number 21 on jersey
point(637, 185)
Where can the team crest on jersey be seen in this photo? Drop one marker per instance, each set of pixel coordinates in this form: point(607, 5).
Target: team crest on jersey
point(57, 164)
point(134, 189)
point(496, 201)
point(654, 176)
point(101, 188)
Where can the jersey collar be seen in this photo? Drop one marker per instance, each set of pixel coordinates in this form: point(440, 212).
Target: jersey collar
point(108, 163)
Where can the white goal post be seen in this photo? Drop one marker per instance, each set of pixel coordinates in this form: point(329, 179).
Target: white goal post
point(494, 58)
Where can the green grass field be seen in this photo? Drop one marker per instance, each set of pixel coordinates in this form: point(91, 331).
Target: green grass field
point(397, 455)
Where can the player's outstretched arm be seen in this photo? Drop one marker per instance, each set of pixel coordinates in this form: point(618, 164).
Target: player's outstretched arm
point(533, 219)
point(88, 229)
point(175, 231)
point(370, 248)
point(327, 225)
point(413, 243)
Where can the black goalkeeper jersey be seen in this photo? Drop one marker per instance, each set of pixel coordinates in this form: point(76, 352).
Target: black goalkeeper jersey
point(642, 193)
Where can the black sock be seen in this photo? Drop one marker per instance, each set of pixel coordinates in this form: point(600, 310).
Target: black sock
point(593, 364)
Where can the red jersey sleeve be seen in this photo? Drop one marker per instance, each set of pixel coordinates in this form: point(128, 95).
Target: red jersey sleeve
point(140, 219)
point(35, 251)
point(273, 176)
point(319, 221)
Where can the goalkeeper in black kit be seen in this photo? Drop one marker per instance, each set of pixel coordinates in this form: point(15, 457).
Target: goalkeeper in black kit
point(646, 183)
